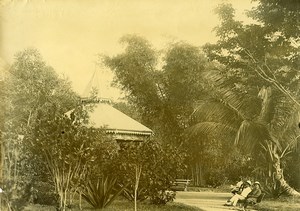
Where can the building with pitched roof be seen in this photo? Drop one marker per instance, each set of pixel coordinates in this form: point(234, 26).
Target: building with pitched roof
point(119, 125)
point(116, 123)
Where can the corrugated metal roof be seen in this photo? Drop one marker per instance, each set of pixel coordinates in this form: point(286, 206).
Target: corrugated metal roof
point(105, 115)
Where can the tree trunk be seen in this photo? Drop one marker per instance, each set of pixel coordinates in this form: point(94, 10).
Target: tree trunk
point(198, 174)
point(201, 175)
point(197, 178)
point(195, 174)
point(265, 94)
point(280, 178)
point(2, 164)
point(138, 171)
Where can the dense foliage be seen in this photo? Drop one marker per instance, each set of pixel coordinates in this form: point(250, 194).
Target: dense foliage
point(46, 142)
point(227, 110)
point(160, 165)
point(259, 84)
point(246, 93)
point(31, 87)
point(41, 143)
point(163, 88)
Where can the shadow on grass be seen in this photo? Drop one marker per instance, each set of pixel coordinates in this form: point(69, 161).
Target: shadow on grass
point(122, 205)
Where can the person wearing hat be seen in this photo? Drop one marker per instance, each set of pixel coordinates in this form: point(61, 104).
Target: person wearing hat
point(253, 195)
point(234, 199)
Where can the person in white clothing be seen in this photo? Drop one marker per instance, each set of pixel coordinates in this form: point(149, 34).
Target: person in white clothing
point(234, 199)
point(238, 187)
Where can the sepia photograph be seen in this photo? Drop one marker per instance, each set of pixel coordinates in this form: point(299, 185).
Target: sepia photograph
point(149, 105)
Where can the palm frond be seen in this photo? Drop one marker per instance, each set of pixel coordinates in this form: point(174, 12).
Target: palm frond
point(216, 110)
point(259, 118)
point(290, 146)
point(242, 99)
point(211, 129)
point(251, 134)
point(283, 124)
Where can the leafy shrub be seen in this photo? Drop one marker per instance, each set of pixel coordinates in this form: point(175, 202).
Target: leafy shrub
point(160, 167)
point(162, 197)
point(272, 188)
point(215, 177)
point(43, 193)
point(15, 194)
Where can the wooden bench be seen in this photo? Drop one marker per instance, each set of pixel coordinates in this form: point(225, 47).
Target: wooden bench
point(259, 199)
point(181, 184)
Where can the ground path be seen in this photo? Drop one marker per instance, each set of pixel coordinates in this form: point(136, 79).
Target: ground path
point(208, 201)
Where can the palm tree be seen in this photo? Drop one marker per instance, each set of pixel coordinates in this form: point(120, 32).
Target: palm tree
point(257, 119)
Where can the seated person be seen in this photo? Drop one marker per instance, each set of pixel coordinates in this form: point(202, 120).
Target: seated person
point(238, 188)
point(234, 199)
point(253, 195)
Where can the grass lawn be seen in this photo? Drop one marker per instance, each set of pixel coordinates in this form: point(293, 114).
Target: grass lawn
point(123, 205)
point(281, 204)
point(127, 206)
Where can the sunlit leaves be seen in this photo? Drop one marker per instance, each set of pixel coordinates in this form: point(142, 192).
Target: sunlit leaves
point(162, 86)
point(279, 15)
point(34, 86)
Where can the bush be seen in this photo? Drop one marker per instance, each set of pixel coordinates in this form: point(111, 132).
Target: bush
point(215, 177)
point(43, 193)
point(162, 197)
point(16, 194)
point(160, 166)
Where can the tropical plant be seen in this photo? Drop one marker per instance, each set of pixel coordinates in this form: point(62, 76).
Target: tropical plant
point(141, 194)
point(293, 169)
point(260, 80)
point(263, 125)
point(102, 192)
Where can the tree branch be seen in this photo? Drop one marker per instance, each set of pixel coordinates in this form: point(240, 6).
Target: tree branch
point(265, 76)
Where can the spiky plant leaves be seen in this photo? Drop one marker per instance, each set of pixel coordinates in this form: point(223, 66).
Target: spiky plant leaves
point(102, 192)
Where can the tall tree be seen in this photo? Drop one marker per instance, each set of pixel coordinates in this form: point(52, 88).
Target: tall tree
point(33, 85)
point(268, 49)
point(260, 79)
point(32, 90)
point(163, 87)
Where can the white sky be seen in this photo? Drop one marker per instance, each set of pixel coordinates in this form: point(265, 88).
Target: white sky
point(69, 34)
